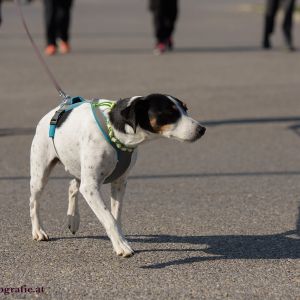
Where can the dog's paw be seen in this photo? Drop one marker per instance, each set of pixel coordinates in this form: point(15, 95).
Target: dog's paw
point(123, 249)
point(40, 235)
point(73, 223)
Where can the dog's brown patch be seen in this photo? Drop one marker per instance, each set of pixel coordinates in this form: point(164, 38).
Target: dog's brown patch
point(157, 128)
point(165, 128)
point(153, 123)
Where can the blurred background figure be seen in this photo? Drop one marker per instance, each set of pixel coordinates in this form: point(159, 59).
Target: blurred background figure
point(272, 7)
point(57, 21)
point(165, 14)
point(0, 12)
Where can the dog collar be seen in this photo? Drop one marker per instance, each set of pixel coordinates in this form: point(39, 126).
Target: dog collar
point(109, 105)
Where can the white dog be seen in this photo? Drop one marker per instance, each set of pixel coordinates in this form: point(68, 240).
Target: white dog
point(96, 156)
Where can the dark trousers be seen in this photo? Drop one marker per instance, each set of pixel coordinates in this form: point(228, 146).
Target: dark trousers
point(0, 12)
point(271, 11)
point(57, 20)
point(164, 16)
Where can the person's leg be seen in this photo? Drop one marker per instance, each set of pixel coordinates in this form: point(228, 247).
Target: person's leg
point(156, 6)
point(50, 26)
point(63, 19)
point(287, 26)
point(159, 26)
point(0, 13)
point(171, 13)
point(270, 14)
point(63, 24)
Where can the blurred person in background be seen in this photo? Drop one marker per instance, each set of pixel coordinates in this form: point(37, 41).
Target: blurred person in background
point(0, 12)
point(272, 7)
point(57, 21)
point(165, 14)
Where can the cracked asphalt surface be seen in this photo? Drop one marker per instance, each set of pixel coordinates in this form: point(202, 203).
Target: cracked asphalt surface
point(212, 220)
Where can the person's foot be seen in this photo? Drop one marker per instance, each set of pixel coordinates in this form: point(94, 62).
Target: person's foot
point(290, 47)
point(170, 44)
point(64, 47)
point(266, 44)
point(50, 50)
point(289, 43)
point(160, 48)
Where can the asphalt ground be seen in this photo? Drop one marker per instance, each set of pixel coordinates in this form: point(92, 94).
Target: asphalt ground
point(216, 219)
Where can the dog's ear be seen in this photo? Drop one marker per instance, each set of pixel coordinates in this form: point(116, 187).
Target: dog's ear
point(129, 114)
point(182, 104)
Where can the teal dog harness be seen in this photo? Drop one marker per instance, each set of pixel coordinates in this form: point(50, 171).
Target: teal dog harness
point(99, 110)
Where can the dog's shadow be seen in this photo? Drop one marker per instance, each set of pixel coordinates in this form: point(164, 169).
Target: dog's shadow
point(284, 245)
point(218, 247)
point(222, 247)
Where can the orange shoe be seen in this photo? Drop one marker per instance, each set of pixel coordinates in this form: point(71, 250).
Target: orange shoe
point(50, 50)
point(64, 47)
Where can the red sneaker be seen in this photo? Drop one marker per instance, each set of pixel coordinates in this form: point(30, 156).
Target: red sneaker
point(160, 48)
point(50, 50)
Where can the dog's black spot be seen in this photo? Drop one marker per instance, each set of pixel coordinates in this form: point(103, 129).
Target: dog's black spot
point(123, 114)
point(142, 110)
point(157, 107)
point(90, 137)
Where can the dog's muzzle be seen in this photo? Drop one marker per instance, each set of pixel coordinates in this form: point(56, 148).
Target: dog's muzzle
point(200, 130)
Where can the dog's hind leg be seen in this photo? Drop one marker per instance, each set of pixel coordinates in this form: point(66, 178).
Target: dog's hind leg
point(41, 164)
point(73, 209)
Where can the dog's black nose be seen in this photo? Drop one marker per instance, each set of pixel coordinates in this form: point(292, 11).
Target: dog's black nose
point(201, 130)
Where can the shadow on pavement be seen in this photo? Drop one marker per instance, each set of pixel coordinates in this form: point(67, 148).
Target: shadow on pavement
point(280, 119)
point(296, 129)
point(284, 245)
point(183, 175)
point(229, 49)
point(277, 246)
point(16, 131)
point(274, 246)
point(254, 121)
point(217, 247)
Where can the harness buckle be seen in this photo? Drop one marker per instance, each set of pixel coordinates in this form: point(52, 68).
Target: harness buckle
point(58, 114)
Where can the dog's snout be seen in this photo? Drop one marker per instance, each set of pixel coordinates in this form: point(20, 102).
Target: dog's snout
point(201, 130)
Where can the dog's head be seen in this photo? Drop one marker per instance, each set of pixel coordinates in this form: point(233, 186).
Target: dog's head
point(156, 114)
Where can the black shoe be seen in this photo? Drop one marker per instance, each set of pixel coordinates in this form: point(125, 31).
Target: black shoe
point(289, 45)
point(266, 44)
point(170, 44)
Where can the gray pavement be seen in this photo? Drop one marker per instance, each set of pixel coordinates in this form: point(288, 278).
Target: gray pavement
point(212, 220)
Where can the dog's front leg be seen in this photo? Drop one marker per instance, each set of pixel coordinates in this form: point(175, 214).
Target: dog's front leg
point(90, 189)
point(117, 194)
point(73, 209)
